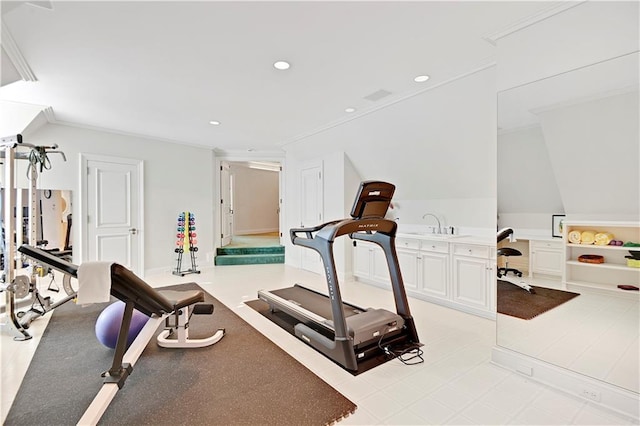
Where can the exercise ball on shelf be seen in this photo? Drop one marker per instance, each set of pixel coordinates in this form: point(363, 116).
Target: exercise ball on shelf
point(109, 321)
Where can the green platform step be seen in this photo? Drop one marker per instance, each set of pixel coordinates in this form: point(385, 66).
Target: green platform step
point(249, 255)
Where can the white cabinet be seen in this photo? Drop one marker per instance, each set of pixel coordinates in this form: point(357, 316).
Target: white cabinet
point(546, 257)
point(370, 263)
point(408, 261)
point(614, 270)
point(379, 267)
point(473, 276)
point(459, 276)
point(433, 261)
point(362, 259)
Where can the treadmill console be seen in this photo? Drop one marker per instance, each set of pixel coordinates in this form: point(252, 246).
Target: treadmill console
point(372, 200)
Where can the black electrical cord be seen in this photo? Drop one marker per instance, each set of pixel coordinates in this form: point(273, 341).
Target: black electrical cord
point(408, 356)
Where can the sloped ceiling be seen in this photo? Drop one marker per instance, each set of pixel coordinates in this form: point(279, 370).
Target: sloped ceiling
point(575, 135)
point(166, 69)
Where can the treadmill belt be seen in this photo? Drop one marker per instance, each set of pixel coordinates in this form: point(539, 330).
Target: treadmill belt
point(314, 302)
point(287, 323)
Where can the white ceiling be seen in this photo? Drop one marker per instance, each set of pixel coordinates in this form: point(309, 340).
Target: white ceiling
point(165, 69)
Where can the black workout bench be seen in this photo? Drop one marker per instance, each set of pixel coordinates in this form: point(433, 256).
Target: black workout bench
point(136, 294)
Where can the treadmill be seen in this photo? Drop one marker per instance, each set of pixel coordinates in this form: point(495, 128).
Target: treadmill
point(346, 333)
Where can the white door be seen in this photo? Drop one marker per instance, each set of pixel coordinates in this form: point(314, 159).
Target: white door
point(226, 204)
point(113, 211)
point(311, 211)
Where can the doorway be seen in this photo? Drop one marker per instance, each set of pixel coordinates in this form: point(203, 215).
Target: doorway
point(250, 202)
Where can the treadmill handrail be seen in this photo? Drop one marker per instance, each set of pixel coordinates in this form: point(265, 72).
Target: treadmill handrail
point(329, 231)
point(293, 232)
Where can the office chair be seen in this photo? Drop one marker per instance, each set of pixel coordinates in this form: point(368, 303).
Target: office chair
point(507, 252)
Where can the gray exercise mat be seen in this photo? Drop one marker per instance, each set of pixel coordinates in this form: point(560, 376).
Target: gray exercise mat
point(243, 379)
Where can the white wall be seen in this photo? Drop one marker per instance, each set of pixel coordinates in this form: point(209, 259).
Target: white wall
point(15, 117)
point(177, 178)
point(526, 180)
point(256, 193)
point(595, 151)
point(438, 148)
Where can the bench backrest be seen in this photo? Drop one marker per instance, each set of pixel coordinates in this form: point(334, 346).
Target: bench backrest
point(125, 285)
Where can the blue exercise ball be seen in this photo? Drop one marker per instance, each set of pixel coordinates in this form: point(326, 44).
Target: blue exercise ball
point(109, 321)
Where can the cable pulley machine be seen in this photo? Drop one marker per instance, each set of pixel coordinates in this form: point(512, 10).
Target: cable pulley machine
point(17, 287)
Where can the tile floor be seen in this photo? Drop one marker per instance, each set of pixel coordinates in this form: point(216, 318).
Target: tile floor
point(593, 334)
point(455, 385)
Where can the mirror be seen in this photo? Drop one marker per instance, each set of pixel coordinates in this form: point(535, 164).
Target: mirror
point(568, 147)
point(54, 229)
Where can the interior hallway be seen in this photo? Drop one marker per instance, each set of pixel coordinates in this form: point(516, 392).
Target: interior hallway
point(456, 384)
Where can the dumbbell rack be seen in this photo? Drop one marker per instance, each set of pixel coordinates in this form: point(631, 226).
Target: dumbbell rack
point(186, 243)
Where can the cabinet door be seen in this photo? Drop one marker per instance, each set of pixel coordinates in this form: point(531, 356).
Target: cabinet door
point(434, 269)
point(545, 261)
point(361, 260)
point(407, 259)
point(470, 281)
point(379, 268)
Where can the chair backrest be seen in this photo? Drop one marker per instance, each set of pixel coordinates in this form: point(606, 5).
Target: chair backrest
point(504, 233)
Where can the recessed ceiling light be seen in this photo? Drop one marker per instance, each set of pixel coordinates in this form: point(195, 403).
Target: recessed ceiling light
point(350, 109)
point(421, 78)
point(214, 122)
point(281, 65)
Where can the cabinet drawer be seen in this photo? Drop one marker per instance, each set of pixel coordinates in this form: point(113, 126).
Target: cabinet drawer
point(549, 245)
point(471, 250)
point(435, 246)
point(407, 243)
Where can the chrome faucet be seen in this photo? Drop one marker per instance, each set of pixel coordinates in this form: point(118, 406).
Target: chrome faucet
point(436, 217)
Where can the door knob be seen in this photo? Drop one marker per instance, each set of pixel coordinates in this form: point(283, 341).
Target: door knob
point(133, 231)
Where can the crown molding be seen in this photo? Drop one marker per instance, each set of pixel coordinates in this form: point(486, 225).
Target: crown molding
point(49, 114)
point(14, 54)
point(53, 120)
point(246, 155)
point(553, 10)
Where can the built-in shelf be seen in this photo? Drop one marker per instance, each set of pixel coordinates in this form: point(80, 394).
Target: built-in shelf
point(603, 265)
point(607, 247)
point(614, 271)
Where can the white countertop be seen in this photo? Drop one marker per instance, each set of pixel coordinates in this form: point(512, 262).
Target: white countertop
point(534, 235)
point(464, 239)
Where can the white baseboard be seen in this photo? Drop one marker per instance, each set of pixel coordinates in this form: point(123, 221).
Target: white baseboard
point(597, 392)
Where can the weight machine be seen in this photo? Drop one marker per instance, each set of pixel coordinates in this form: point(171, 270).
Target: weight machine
point(20, 286)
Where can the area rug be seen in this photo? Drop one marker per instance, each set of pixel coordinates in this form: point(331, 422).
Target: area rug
point(244, 379)
point(519, 303)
